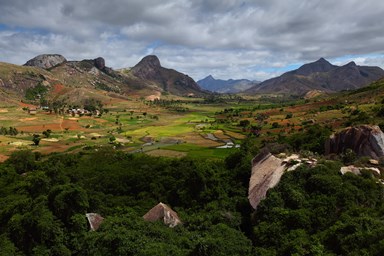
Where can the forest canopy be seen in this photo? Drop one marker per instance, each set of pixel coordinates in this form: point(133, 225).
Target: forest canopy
point(313, 211)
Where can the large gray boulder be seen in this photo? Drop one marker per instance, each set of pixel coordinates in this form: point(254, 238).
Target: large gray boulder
point(46, 61)
point(364, 140)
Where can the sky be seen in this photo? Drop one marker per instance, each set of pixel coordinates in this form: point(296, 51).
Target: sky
point(255, 39)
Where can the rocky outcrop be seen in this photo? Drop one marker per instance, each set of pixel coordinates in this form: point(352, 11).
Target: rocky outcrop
point(46, 61)
point(364, 140)
point(357, 170)
point(266, 173)
point(165, 213)
point(94, 220)
point(99, 63)
point(148, 68)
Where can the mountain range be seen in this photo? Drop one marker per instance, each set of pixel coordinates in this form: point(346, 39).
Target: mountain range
point(76, 80)
point(319, 76)
point(225, 86)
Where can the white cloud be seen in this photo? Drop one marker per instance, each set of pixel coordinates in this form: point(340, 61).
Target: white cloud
point(226, 38)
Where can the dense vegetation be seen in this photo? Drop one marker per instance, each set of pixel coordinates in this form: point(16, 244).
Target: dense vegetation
point(311, 212)
point(319, 212)
point(43, 205)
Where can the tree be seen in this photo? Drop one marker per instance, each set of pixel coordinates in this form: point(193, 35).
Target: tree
point(36, 139)
point(244, 123)
point(92, 105)
point(67, 200)
point(22, 161)
point(47, 133)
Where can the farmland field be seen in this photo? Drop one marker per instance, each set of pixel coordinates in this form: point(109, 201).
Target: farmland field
point(179, 127)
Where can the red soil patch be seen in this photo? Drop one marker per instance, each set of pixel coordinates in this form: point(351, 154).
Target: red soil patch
point(70, 124)
point(58, 88)
point(26, 105)
point(3, 158)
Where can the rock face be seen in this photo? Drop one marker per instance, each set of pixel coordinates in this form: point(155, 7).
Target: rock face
point(148, 68)
point(46, 61)
point(266, 173)
point(364, 140)
point(99, 63)
point(94, 220)
point(163, 212)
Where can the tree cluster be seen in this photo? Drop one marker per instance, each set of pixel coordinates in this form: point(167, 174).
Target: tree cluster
point(12, 131)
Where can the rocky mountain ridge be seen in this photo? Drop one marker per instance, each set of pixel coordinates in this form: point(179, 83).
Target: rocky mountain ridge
point(319, 75)
point(77, 78)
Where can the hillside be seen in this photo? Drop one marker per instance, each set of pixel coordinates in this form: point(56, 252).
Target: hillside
point(225, 86)
point(74, 81)
point(319, 75)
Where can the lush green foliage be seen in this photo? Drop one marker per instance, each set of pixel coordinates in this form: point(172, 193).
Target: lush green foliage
point(12, 131)
point(311, 212)
point(319, 212)
point(42, 212)
point(312, 138)
point(36, 92)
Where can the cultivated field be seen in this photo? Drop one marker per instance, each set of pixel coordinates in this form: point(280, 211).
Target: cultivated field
point(178, 127)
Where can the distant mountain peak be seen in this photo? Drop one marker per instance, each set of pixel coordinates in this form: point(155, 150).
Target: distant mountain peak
point(150, 61)
point(321, 65)
point(225, 86)
point(149, 68)
point(322, 60)
point(322, 76)
point(351, 64)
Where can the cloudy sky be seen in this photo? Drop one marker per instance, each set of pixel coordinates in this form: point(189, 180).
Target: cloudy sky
point(254, 39)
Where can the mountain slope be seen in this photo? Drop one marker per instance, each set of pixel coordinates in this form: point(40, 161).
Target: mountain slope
point(319, 75)
point(74, 81)
point(225, 86)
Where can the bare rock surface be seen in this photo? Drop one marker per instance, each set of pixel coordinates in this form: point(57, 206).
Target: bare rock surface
point(99, 63)
point(148, 68)
point(364, 140)
point(266, 173)
point(165, 213)
point(357, 170)
point(46, 61)
point(94, 220)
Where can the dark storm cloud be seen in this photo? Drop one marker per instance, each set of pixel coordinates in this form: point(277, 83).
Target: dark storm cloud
point(232, 38)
